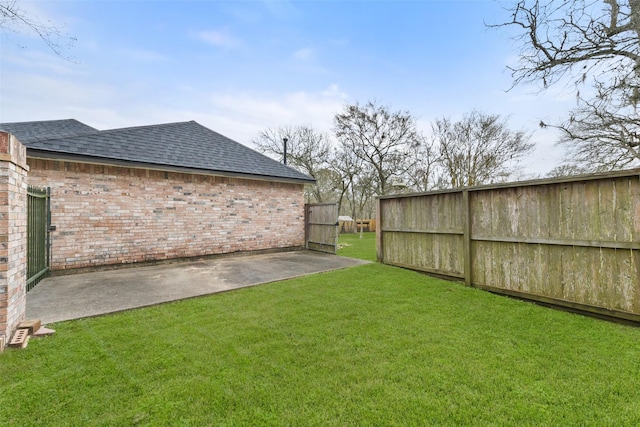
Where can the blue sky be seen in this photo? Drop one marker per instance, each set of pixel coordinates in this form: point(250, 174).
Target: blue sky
point(242, 66)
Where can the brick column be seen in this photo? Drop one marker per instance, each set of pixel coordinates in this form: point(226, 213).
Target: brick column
point(13, 234)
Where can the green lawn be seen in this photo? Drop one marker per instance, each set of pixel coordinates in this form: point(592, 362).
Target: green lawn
point(352, 246)
point(370, 345)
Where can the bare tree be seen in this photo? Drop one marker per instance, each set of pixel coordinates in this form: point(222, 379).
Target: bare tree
point(479, 149)
point(328, 185)
point(381, 138)
point(14, 19)
point(423, 171)
point(566, 170)
point(602, 134)
point(349, 168)
point(308, 151)
point(357, 186)
point(596, 46)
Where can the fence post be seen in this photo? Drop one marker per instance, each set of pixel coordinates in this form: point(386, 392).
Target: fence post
point(467, 237)
point(13, 234)
point(379, 244)
point(306, 226)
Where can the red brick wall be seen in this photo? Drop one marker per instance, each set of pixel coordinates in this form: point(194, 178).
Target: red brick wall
point(13, 235)
point(113, 215)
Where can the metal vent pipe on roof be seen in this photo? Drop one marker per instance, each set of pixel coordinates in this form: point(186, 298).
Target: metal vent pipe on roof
point(285, 150)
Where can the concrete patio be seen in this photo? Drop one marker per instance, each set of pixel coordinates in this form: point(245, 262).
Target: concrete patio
point(81, 295)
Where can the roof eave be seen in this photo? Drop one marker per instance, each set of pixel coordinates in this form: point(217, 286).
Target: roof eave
point(48, 155)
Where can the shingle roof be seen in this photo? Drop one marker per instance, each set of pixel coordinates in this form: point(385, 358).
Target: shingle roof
point(187, 145)
point(50, 129)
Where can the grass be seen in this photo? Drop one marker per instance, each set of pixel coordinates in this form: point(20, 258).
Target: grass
point(369, 345)
point(352, 246)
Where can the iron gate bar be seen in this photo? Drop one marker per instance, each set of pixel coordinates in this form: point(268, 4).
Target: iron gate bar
point(38, 243)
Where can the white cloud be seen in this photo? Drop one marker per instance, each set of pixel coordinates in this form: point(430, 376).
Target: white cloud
point(238, 115)
point(141, 55)
point(42, 61)
point(220, 38)
point(255, 112)
point(31, 96)
point(304, 53)
point(281, 9)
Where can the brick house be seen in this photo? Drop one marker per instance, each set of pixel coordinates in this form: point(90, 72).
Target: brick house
point(158, 192)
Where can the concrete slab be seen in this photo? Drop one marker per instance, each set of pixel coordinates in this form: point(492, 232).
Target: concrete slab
point(76, 296)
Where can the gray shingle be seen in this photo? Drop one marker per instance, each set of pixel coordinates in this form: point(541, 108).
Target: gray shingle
point(183, 145)
point(50, 129)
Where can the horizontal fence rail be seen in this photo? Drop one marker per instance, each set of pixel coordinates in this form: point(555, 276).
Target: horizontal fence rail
point(572, 242)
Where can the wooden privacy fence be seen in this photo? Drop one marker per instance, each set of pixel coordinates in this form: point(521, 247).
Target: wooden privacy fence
point(321, 227)
point(573, 242)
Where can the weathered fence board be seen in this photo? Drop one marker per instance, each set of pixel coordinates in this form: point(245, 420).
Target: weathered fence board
point(435, 253)
point(321, 227)
point(572, 242)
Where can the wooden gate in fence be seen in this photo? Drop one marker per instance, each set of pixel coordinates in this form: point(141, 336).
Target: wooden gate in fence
point(38, 244)
point(573, 242)
point(321, 227)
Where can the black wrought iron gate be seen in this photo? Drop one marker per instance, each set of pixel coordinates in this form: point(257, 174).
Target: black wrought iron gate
point(321, 227)
point(38, 243)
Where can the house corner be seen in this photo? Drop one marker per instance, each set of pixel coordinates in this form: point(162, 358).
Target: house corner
point(13, 234)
